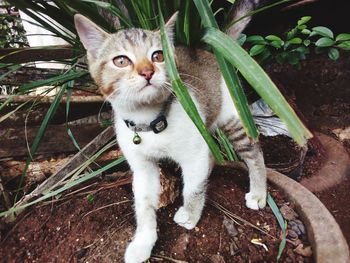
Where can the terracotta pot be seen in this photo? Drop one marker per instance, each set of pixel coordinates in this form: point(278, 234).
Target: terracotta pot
point(327, 240)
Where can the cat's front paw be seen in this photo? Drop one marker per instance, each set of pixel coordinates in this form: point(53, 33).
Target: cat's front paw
point(255, 200)
point(137, 252)
point(186, 219)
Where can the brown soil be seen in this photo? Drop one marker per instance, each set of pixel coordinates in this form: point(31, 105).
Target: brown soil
point(322, 94)
point(75, 229)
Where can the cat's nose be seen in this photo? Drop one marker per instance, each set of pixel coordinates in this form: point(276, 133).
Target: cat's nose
point(147, 73)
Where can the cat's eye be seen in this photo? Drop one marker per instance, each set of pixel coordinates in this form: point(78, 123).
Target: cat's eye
point(121, 61)
point(157, 56)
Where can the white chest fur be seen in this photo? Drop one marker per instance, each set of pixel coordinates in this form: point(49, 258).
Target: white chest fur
point(174, 142)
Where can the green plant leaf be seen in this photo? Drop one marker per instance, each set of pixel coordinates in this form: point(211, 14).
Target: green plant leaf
point(292, 33)
point(273, 38)
point(255, 39)
point(307, 42)
point(259, 80)
point(322, 31)
point(256, 50)
point(65, 187)
point(319, 50)
point(302, 51)
point(241, 39)
point(295, 41)
point(293, 58)
point(230, 152)
point(281, 222)
point(324, 42)
point(304, 20)
point(230, 76)
point(306, 31)
point(333, 53)
point(182, 92)
point(114, 10)
point(281, 57)
point(40, 133)
point(264, 57)
point(302, 27)
point(342, 37)
point(344, 45)
point(277, 44)
point(54, 81)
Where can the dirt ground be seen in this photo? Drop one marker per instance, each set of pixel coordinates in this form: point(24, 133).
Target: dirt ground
point(321, 93)
point(75, 229)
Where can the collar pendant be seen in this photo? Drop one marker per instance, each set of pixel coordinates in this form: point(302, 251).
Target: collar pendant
point(137, 139)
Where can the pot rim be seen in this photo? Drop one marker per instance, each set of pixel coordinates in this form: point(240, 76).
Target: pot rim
point(327, 240)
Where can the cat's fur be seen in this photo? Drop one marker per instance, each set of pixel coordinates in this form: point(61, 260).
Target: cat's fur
point(127, 91)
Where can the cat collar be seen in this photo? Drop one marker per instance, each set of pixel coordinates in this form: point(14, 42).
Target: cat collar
point(158, 125)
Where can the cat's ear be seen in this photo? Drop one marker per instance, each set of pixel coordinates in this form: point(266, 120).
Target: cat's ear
point(91, 35)
point(170, 26)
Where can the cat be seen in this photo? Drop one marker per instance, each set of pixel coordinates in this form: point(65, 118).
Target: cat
point(151, 125)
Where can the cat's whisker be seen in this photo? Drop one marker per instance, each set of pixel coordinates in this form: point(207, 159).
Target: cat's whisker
point(191, 76)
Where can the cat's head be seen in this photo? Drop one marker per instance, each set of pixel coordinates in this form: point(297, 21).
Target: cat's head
point(128, 65)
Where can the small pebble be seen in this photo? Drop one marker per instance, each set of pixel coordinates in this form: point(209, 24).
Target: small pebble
point(292, 234)
point(81, 253)
point(217, 259)
point(303, 251)
point(230, 227)
point(297, 226)
point(288, 213)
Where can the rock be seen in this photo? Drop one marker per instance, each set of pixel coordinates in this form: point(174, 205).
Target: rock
point(217, 259)
point(297, 226)
point(81, 253)
point(296, 242)
point(303, 251)
point(288, 213)
point(300, 226)
point(230, 226)
point(292, 235)
point(342, 133)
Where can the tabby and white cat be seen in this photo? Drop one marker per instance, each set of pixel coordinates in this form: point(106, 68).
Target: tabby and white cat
point(151, 125)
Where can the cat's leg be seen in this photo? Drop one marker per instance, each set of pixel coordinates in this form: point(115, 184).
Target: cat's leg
point(252, 155)
point(195, 170)
point(146, 188)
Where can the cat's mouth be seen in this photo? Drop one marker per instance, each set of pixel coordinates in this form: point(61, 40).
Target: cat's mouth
point(148, 84)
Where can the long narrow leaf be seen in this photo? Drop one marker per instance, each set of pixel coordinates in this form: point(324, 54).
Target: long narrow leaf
point(65, 187)
point(224, 141)
point(259, 80)
point(281, 222)
point(114, 10)
point(53, 81)
point(229, 74)
point(182, 92)
point(40, 134)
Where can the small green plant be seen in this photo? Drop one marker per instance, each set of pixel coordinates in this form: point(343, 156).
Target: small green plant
point(297, 43)
point(12, 33)
point(90, 198)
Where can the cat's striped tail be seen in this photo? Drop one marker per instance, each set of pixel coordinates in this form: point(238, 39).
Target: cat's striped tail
point(242, 8)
